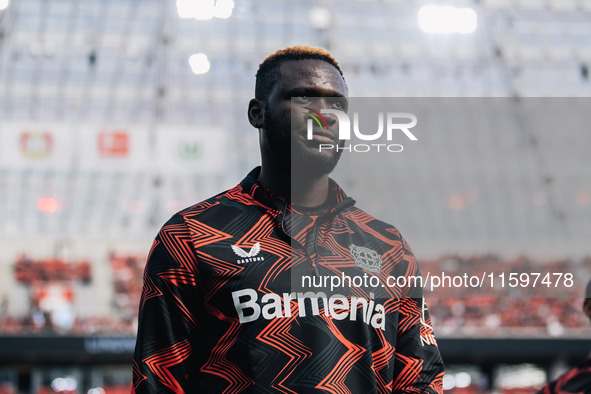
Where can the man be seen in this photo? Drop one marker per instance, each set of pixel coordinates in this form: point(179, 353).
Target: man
point(220, 312)
point(578, 378)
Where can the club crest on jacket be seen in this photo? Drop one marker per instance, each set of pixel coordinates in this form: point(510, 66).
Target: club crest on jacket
point(366, 258)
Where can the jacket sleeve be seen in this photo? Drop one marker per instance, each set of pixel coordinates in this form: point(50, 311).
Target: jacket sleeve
point(164, 357)
point(418, 367)
point(574, 380)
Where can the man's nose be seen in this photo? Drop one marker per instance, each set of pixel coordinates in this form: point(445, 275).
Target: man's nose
point(331, 119)
point(321, 103)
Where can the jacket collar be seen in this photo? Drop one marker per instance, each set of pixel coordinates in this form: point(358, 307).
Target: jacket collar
point(251, 186)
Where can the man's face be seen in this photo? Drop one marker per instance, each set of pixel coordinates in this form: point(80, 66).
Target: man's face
point(284, 132)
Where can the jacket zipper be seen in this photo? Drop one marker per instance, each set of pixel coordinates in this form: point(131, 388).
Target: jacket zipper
point(316, 229)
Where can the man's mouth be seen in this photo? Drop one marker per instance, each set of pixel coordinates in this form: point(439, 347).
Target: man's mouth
point(322, 136)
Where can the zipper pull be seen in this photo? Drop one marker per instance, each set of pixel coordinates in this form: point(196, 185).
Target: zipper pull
point(316, 269)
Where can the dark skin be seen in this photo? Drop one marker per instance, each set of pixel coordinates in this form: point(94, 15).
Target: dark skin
point(282, 126)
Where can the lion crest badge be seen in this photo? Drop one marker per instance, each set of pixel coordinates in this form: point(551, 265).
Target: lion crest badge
point(366, 258)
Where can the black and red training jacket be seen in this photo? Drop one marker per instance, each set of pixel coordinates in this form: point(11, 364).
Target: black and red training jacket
point(233, 302)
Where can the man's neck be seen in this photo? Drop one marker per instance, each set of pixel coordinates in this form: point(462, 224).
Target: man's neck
point(302, 190)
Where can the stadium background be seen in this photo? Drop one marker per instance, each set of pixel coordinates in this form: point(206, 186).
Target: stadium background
point(116, 114)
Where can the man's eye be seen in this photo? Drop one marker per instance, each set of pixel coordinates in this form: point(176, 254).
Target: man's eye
point(302, 99)
point(339, 104)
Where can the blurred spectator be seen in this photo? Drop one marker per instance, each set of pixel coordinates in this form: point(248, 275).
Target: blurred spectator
point(29, 271)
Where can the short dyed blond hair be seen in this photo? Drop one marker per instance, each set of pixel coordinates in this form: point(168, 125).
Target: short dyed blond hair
point(269, 70)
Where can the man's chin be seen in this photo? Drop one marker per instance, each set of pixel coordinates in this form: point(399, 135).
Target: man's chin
point(314, 163)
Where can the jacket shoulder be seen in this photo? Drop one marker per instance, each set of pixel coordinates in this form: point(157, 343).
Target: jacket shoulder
point(215, 202)
point(372, 224)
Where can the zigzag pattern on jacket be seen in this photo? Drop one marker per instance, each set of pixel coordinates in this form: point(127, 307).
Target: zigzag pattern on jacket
point(190, 337)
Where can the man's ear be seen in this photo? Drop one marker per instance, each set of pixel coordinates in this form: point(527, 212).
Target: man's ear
point(587, 307)
point(256, 113)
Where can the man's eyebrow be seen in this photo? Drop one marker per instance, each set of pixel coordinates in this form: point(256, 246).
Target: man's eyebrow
point(314, 92)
